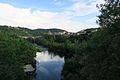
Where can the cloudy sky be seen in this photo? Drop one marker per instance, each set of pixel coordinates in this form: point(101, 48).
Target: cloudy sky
point(71, 15)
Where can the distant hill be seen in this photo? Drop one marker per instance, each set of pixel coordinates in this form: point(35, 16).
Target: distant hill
point(21, 31)
point(47, 31)
point(52, 30)
point(37, 32)
point(87, 31)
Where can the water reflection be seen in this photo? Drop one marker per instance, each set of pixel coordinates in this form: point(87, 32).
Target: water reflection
point(48, 66)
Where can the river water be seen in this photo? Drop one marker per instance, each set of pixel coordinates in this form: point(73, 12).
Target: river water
point(48, 66)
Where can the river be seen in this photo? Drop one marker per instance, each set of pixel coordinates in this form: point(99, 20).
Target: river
point(48, 65)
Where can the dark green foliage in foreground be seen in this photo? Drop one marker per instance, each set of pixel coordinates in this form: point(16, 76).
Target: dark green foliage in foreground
point(14, 54)
point(102, 57)
point(99, 57)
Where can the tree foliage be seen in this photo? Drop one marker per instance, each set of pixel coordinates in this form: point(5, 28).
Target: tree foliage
point(14, 54)
point(110, 15)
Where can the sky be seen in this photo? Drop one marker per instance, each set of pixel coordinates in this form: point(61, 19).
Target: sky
point(70, 15)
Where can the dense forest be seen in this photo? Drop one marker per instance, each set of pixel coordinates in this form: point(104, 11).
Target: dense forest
point(92, 55)
point(15, 53)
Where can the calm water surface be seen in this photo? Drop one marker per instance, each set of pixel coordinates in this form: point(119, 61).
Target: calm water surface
point(48, 66)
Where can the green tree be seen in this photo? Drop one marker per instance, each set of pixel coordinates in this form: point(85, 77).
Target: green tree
point(110, 15)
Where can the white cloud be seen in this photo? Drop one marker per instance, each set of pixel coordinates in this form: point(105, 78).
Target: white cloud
point(58, 3)
point(83, 7)
point(25, 17)
point(79, 9)
point(45, 57)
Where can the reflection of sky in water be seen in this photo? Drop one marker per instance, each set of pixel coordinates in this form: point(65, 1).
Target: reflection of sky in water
point(48, 66)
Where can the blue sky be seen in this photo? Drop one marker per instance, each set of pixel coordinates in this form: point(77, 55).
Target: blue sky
point(71, 15)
